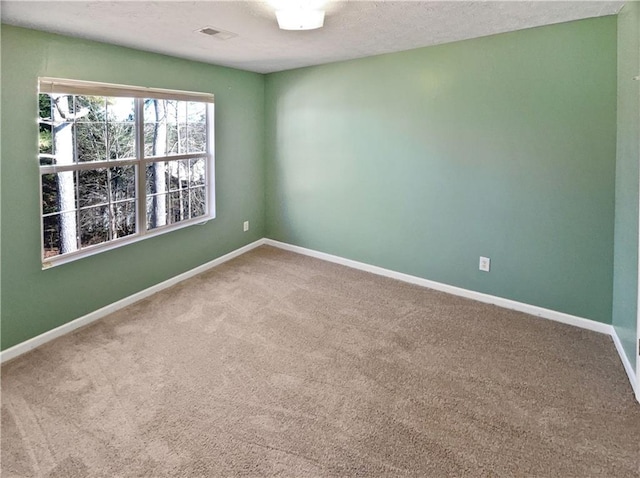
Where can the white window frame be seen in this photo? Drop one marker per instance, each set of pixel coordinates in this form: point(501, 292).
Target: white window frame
point(47, 85)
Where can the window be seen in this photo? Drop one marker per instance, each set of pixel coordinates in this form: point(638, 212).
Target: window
point(120, 163)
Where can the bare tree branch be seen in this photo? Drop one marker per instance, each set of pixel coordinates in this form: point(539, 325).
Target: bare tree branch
point(68, 116)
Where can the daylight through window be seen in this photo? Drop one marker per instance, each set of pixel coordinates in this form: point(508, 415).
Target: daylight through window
point(120, 163)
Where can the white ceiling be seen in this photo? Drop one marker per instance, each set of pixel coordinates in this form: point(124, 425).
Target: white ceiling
point(353, 29)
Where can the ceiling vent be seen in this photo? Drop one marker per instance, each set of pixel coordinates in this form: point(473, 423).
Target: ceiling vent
point(217, 33)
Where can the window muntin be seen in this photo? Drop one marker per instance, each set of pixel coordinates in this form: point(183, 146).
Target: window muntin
point(117, 168)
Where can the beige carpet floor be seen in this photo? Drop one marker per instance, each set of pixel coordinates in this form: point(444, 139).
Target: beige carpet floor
point(276, 364)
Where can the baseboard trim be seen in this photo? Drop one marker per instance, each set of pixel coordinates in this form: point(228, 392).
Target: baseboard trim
point(541, 312)
point(626, 363)
point(64, 329)
point(469, 294)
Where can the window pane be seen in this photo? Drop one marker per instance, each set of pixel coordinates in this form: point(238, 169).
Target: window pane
point(59, 234)
point(51, 237)
point(182, 138)
point(157, 178)
point(156, 211)
point(45, 139)
point(181, 107)
point(91, 109)
point(58, 192)
point(176, 124)
point(171, 109)
point(122, 140)
point(50, 193)
point(196, 112)
point(45, 130)
point(121, 110)
point(197, 172)
point(94, 225)
point(91, 142)
point(172, 176)
point(62, 107)
point(155, 139)
point(149, 137)
point(178, 174)
point(154, 110)
point(44, 106)
point(183, 173)
point(176, 111)
point(124, 219)
point(198, 202)
point(178, 209)
point(173, 141)
point(93, 187)
point(155, 127)
point(123, 183)
point(63, 142)
point(197, 138)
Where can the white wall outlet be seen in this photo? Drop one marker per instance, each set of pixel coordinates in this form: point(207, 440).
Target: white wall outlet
point(485, 264)
point(245, 226)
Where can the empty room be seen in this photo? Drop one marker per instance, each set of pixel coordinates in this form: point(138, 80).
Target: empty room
point(320, 238)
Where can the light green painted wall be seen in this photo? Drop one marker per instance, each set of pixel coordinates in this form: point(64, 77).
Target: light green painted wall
point(424, 160)
point(418, 161)
point(625, 280)
point(34, 301)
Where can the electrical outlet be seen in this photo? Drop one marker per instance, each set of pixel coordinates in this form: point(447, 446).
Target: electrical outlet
point(485, 264)
point(245, 226)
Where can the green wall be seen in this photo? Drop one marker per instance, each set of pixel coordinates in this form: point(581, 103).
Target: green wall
point(33, 300)
point(625, 282)
point(422, 161)
point(418, 161)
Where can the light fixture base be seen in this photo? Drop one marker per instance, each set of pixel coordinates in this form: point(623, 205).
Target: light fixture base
point(300, 19)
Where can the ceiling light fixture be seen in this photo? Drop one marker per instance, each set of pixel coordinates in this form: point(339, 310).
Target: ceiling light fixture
point(299, 14)
point(300, 19)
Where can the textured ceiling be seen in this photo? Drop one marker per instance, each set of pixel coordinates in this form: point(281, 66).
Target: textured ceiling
point(353, 29)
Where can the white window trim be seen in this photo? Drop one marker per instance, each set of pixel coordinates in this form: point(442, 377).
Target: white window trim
point(90, 88)
point(94, 88)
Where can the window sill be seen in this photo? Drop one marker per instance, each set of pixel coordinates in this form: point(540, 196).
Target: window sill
point(115, 244)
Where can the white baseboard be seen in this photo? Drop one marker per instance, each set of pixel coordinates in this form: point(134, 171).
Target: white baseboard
point(626, 363)
point(41, 339)
point(469, 294)
point(581, 322)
